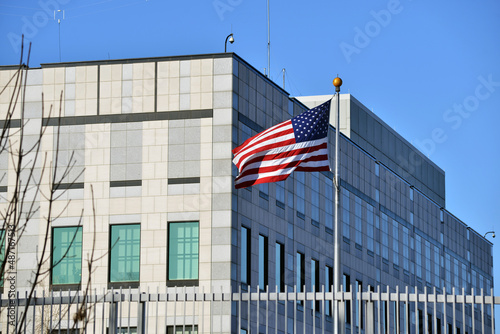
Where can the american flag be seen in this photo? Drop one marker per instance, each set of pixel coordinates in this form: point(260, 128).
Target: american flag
point(297, 144)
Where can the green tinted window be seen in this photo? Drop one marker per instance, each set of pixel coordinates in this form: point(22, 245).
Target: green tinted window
point(125, 253)
point(67, 255)
point(183, 249)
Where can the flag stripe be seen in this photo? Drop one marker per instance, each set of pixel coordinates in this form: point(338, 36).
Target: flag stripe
point(316, 163)
point(275, 138)
point(286, 154)
point(251, 141)
point(288, 148)
point(285, 141)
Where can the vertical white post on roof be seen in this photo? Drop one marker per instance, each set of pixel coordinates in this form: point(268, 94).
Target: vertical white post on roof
point(337, 82)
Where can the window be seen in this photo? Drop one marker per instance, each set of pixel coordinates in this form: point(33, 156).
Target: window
point(124, 255)
point(301, 194)
point(328, 288)
point(359, 232)
point(301, 280)
point(384, 309)
point(315, 198)
point(264, 191)
point(328, 204)
point(385, 238)
point(280, 267)
point(359, 289)
point(66, 255)
point(119, 330)
point(346, 283)
point(395, 242)
point(345, 214)
point(437, 267)
point(189, 329)
point(370, 234)
point(421, 323)
point(406, 249)
point(183, 251)
point(245, 255)
point(289, 199)
point(280, 194)
point(290, 107)
point(263, 260)
point(315, 282)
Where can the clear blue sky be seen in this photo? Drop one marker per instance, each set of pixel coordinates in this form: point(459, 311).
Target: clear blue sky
point(430, 69)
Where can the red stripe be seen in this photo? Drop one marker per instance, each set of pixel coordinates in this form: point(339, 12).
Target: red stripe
point(249, 143)
point(263, 149)
point(276, 178)
point(293, 163)
point(285, 154)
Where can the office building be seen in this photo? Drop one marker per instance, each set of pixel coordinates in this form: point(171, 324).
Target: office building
point(149, 141)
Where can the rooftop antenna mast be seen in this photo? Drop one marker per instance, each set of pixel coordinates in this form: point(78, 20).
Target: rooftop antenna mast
point(283, 78)
point(59, 23)
point(268, 41)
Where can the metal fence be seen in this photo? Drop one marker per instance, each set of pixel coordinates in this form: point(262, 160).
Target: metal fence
point(192, 310)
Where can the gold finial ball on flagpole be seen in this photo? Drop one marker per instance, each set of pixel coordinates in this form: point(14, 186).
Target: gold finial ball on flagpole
point(337, 82)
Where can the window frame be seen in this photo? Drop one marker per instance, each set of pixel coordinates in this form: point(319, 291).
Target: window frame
point(122, 284)
point(315, 283)
point(280, 266)
point(300, 274)
point(328, 288)
point(65, 286)
point(189, 328)
point(246, 281)
point(181, 282)
point(346, 285)
point(263, 262)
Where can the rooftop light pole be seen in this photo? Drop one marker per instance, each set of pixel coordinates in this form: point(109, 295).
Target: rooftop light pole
point(492, 232)
point(337, 82)
point(231, 40)
point(59, 24)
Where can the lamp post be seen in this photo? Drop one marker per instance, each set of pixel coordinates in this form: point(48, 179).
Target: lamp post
point(231, 40)
point(492, 232)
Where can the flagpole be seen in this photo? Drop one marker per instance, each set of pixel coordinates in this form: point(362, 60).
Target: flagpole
point(337, 82)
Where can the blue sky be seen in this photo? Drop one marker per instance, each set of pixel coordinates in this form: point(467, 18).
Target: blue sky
point(430, 69)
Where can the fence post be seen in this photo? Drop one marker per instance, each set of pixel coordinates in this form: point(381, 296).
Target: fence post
point(141, 316)
point(113, 315)
point(341, 307)
point(370, 311)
